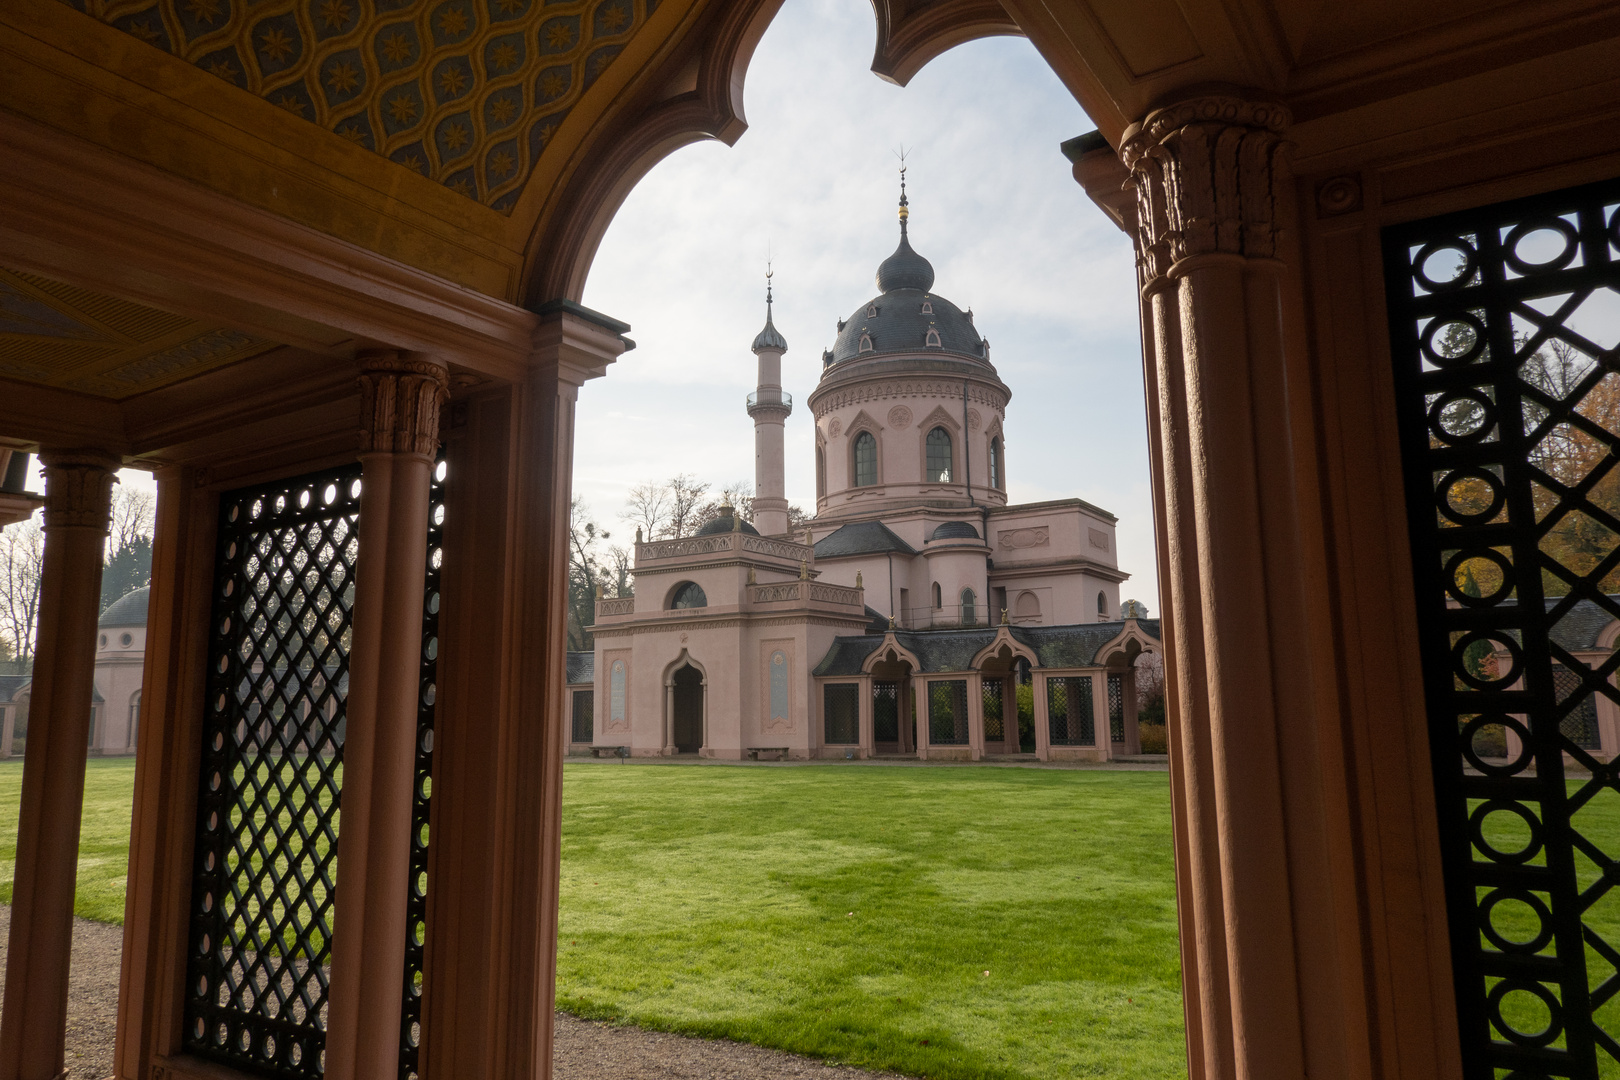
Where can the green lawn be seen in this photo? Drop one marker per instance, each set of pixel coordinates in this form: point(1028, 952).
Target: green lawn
point(109, 785)
point(846, 912)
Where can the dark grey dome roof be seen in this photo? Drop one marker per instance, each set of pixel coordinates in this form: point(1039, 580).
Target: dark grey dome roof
point(724, 524)
point(954, 530)
point(127, 610)
point(905, 269)
point(901, 323)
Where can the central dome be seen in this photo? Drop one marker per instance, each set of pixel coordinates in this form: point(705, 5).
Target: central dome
point(906, 319)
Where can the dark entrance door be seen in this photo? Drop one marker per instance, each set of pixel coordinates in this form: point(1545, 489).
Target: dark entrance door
point(688, 732)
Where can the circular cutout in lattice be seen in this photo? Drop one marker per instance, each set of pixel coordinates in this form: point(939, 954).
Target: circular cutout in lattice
point(1469, 496)
point(1485, 744)
point(1541, 244)
point(1430, 267)
point(1453, 340)
point(1504, 996)
point(1488, 569)
point(1499, 815)
point(1504, 910)
point(1462, 417)
point(1497, 675)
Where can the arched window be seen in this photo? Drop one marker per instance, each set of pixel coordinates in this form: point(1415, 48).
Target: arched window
point(821, 471)
point(865, 460)
point(939, 600)
point(866, 343)
point(134, 716)
point(995, 462)
point(871, 311)
point(970, 611)
point(928, 307)
point(1028, 608)
point(1102, 605)
point(689, 594)
point(939, 457)
point(932, 340)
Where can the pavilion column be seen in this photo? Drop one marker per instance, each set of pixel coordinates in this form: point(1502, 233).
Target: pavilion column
point(33, 1027)
point(1043, 717)
point(399, 433)
point(1212, 209)
point(8, 728)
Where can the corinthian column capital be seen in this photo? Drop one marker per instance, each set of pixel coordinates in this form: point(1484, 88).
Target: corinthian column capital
point(78, 488)
point(1205, 177)
point(399, 404)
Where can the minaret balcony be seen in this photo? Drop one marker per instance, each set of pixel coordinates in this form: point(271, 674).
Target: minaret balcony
point(770, 401)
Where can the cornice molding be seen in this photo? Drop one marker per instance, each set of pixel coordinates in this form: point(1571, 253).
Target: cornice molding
point(991, 394)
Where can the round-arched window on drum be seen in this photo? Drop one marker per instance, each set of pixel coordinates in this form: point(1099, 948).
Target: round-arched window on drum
point(689, 594)
point(865, 460)
point(939, 456)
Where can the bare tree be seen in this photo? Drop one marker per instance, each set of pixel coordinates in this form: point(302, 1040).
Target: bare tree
point(739, 495)
point(133, 516)
point(584, 572)
point(685, 498)
point(619, 570)
point(647, 508)
point(22, 551)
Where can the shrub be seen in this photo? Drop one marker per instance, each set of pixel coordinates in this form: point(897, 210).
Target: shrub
point(1154, 739)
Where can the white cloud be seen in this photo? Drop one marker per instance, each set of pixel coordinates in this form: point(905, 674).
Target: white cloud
point(994, 207)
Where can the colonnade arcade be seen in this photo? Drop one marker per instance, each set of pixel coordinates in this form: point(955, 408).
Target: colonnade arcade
point(898, 703)
point(249, 267)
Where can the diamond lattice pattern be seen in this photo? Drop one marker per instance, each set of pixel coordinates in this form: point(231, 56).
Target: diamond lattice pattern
point(1503, 324)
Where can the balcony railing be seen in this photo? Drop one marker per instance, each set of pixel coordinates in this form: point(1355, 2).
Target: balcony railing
point(777, 397)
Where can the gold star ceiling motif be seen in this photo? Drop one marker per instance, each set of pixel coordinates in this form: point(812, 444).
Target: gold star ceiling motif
point(466, 92)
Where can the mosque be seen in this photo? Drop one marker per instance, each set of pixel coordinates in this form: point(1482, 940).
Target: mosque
point(903, 616)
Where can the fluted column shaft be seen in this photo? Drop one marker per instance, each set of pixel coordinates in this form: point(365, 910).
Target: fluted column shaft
point(400, 403)
point(33, 1028)
point(1209, 177)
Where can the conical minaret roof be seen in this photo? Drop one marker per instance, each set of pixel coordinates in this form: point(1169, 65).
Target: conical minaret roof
point(770, 337)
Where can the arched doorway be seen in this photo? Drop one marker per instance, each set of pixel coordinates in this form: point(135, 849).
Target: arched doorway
point(686, 720)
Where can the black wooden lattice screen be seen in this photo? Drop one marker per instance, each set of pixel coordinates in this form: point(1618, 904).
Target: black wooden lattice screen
point(947, 713)
point(266, 848)
point(885, 712)
point(1069, 716)
point(841, 714)
point(410, 1020)
point(584, 716)
point(1503, 324)
point(1116, 708)
point(993, 729)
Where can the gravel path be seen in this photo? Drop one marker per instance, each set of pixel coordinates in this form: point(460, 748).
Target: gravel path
point(585, 1050)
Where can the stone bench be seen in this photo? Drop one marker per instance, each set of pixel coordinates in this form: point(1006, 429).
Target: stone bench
point(769, 753)
point(610, 751)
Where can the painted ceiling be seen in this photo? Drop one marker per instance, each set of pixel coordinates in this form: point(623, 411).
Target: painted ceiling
point(63, 336)
point(466, 92)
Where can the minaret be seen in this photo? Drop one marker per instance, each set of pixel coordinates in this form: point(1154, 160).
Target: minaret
point(769, 407)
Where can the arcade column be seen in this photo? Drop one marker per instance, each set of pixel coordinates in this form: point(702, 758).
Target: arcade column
point(399, 433)
point(78, 502)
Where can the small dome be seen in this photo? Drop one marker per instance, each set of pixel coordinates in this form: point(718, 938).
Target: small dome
point(725, 523)
point(770, 337)
point(954, 530)
point(905, 269)
point(127, 610)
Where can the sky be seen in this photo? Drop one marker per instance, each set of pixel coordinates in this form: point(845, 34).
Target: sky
point(813, 180)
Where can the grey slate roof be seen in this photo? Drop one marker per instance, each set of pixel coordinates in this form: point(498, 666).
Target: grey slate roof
point(862, 538)
point(954, 530)
point(128, 610)
point(953, 650)
point(1578, 631)
point(10, 684)
point(581, 668)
